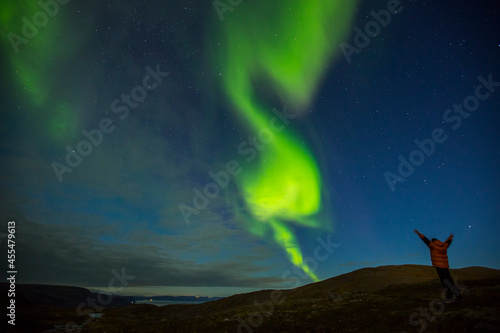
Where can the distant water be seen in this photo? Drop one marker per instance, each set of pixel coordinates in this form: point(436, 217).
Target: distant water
point(161, 303)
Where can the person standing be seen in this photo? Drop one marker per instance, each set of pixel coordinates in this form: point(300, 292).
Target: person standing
point(439, 258)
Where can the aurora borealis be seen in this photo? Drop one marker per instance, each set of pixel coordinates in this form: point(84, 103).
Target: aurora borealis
point(33, 54)
point(275, 193)
point(261, 96)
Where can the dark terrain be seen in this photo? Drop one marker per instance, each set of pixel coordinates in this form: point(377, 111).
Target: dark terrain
point(382, 299)
point(39, 307)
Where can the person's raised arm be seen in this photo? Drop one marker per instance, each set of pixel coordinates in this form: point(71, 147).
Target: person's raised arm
point(424, 239)
point(449, 240)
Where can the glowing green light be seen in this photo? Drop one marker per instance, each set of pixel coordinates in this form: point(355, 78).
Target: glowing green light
point(284, 236)
point(32, 43)
point(286, 184)
point(29, 59)
point(283, 48)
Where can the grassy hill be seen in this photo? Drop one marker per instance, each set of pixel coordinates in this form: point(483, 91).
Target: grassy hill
point(403, 298)
point(382, 299)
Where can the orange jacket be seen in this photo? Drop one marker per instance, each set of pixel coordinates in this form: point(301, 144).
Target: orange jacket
point(439, 256)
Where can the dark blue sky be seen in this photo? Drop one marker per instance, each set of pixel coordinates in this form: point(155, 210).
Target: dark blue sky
point(118, 208)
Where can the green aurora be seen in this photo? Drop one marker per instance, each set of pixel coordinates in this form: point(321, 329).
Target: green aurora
point(30, 40)
point(289, 46)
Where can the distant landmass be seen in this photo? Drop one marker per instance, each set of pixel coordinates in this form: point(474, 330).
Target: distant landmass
point(63, 305)
point(62, 296)
point(402, 298)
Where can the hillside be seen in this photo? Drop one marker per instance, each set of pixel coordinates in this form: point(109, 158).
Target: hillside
point(381, 299)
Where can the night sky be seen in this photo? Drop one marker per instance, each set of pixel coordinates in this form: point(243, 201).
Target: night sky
point(213, 148)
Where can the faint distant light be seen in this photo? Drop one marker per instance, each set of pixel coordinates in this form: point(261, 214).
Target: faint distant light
point(469, 226)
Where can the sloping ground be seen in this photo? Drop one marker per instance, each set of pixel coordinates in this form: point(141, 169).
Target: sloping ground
point(362, 280)
point(371, 279)
point(381, 299)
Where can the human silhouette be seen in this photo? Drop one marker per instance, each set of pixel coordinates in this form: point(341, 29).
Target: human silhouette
point(439, 258)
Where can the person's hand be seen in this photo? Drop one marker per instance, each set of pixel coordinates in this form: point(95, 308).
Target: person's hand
point(451, 236)
point(416, 231)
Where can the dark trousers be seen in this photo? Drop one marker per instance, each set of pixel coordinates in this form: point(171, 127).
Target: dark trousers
point(448, 283)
